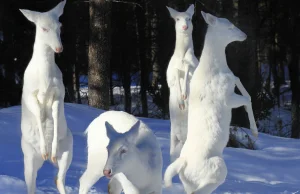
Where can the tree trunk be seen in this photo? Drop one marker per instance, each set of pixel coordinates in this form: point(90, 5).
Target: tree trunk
point(99, 53)
point(141, 21)
point(294, 72)
point(127, 90)
point(111, 88)
point(273, 65)
point(76, 84)
point(295, 87)
point(154, 49)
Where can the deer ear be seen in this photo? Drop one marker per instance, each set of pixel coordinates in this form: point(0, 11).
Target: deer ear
point(209, 19)
point(190, 10)
point(172, 11)
point(110, 131)
point(133, 132)
point(30, 15)
point(59, 9)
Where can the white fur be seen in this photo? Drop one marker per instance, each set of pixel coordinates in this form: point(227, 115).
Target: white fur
point(200, 166)
point(44, 128)
point(141, 165)
point(128, 187)
point(179, 73)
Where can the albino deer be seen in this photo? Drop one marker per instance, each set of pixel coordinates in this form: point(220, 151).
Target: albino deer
point(125, 150)
point(179, 73)
point(200, 166)
point(44, 129)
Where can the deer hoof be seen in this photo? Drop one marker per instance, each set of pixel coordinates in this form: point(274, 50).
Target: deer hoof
point(45, 156)
point(54, 159)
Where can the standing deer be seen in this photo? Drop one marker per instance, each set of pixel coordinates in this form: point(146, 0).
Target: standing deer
point(44, 129)
point(179, 74)
point(201, 167)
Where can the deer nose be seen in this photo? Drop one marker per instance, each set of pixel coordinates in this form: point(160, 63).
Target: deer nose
point(107, 173)
point(58, 49)
point(184, 27)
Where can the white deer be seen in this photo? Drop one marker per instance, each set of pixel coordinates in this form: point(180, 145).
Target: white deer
point(43, 124)
point(125, 150)
point(180, 70)
point(200, 166)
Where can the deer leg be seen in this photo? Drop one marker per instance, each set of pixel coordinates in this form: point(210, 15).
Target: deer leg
point(34, 107)
point(248, 107)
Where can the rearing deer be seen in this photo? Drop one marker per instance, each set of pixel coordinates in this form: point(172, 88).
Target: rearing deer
point(201, 167)
point(180, 70)
point(43, 124)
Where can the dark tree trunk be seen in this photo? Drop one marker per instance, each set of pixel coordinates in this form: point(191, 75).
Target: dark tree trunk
point(126, 78)
point(67, 59)
point(99, 53)
point(273, 66)
point(76, 84)
point(141, 21)
point(295, 87)
point(154, 49)
point(111, 88)
point(127, 90)
point(294, 72)
point(281, 73)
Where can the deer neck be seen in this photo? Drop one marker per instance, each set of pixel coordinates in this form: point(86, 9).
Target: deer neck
point(213, 53)
point(183, 43)
point(43, 53)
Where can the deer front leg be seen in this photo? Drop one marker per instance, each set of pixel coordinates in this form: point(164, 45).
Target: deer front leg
point(114, 187)
point(179, 91)
point(235, 101)
point(248, 107)
point(128, 187)
point(35, 108)
point(185, 81)
point(56, 111)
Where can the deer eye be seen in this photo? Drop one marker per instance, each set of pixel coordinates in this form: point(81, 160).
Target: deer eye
point(45, 29)
point(123, 151)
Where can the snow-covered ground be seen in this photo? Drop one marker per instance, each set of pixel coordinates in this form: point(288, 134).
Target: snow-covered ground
point(273, 168)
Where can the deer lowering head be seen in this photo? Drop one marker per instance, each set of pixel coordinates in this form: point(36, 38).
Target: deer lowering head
point(47, 26)
point(122, 150)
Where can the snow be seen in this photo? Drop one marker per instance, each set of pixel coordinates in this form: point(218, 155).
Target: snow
point(272, 168)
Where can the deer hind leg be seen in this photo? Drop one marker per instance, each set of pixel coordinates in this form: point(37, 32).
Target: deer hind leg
point(32, 163)
point(248, 107)
point(174, 141)
point(207, 189)
point(57, 110)
point(65, 156)
point(217, 172)
point(34, 107)
point(188, 188)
